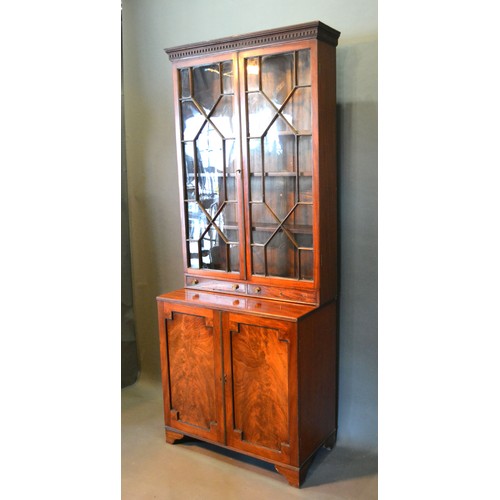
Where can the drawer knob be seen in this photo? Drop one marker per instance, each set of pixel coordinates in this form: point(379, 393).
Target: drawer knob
point(236, 286)
point(258, 289)
point(195, 282)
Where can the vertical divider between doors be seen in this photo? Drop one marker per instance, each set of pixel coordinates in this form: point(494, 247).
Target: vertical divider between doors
point(228, 379)
point(241, 177)
point(244, 164)
point(222, 402)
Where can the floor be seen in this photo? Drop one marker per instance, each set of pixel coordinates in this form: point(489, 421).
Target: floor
point(153, 469)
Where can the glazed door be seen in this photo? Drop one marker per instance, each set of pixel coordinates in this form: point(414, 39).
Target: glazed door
point(278, 130)
point(190, 343)
point(259, 360)
point(210, 166)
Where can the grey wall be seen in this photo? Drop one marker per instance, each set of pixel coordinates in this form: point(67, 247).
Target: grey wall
point(151, 25)
point(129, 363)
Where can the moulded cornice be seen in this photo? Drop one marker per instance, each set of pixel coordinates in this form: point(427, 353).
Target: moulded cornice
point(313, 30)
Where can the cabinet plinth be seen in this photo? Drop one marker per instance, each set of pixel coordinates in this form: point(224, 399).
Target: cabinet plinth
point(248, 347)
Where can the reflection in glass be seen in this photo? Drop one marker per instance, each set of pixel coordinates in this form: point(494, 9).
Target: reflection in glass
point(298, 109)
point(206, 86)
point(185, 84)
point(192, 120)
point(255, 155)
point(222, 116)
point(279, 150)
point(227, 77)
point(230, 157)
point(252, 73)
point(277, 77)
point(210, 163)
point(197, 222)
point(303, 67)
point(189, 181)
point(260, 114)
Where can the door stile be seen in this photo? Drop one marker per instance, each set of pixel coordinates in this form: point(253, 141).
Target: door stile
point(219, 376)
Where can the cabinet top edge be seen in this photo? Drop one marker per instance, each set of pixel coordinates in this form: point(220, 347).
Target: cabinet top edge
point(312, 30)
point(286, 311)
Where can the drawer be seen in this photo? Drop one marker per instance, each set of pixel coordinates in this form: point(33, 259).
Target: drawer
point(271, 292)
point(214, 285)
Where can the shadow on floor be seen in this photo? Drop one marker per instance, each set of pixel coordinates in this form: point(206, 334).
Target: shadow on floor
point(341, 463)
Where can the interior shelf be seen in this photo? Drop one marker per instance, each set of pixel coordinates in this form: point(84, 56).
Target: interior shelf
point(281, 174)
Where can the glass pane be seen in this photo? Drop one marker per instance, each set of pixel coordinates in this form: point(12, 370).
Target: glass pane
point(305, 189)
point(222, 116)
point(277, 77)
point(227, 77)
point(258, 262)
point(185, 88)
point(260, 114)
point(302, 216)
point(206, 86)
point(230, 157)
point(305, 154)
point(210, 158)
point(214, 254)
point(279, 150)
point(231, 234)
point(303, 67)
point(255, 155)
point(280, 194)
point(281, 256)
point(298, 110)
point(189, 170)
point(304, 240)
point(262, 217)
point(306, 264)
point(192, 252)
point(197, 221)
point(261, 237)
point(234, 258)
point(252, 73)
point(228, 218)
point(192, 120)
point(231, 194)
point(256, 188)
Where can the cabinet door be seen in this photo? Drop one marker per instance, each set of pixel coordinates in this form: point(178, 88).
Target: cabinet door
point(209, 159)
point(190, 342)
point(260, 390)
point(277, 126)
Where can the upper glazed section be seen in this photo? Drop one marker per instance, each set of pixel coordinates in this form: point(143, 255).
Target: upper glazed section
point(313, 30)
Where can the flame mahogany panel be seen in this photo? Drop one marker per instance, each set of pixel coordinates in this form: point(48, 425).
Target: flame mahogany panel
point(192, 364)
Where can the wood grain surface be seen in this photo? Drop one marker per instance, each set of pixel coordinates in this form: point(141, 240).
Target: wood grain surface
point(191, 369)
point(260, 385)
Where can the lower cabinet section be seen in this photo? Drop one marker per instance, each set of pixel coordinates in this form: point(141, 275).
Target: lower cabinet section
point(263, 385)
